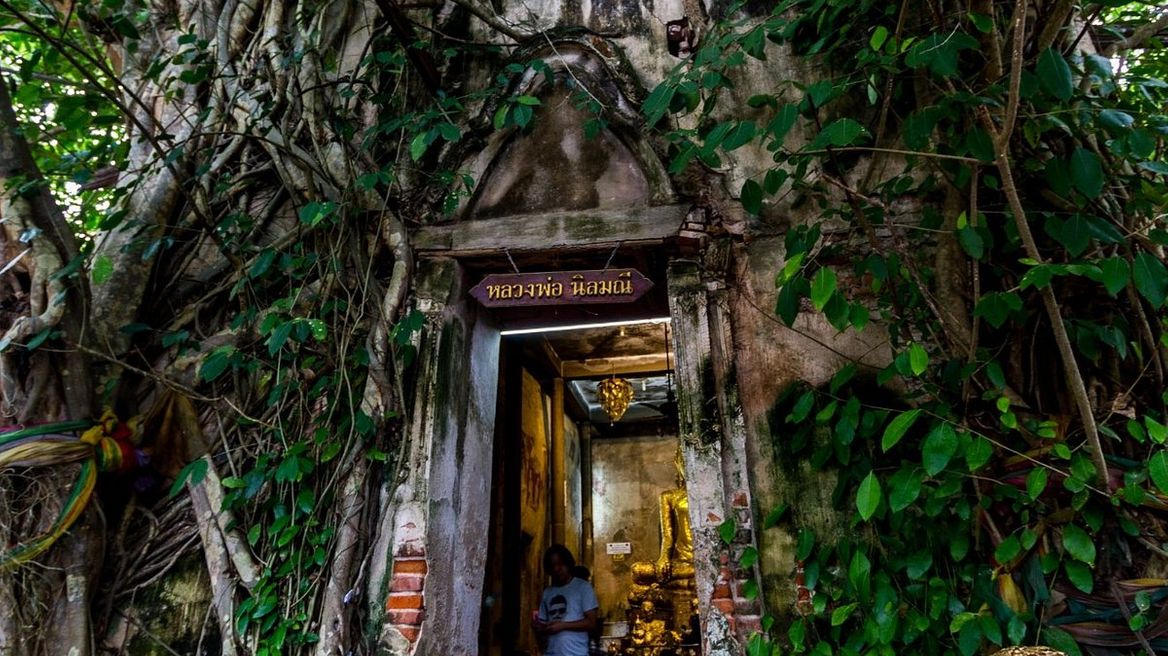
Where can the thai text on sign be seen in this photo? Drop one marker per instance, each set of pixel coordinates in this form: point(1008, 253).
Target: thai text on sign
point(561, 288)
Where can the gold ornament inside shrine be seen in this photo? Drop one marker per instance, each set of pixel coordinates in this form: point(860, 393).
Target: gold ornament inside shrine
point(614, 395)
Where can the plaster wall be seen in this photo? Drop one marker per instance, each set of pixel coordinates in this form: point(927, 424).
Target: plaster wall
point(770, 358)
point(628, 477)
point(459, 483)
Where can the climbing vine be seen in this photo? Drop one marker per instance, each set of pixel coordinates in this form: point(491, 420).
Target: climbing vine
point(986, 183)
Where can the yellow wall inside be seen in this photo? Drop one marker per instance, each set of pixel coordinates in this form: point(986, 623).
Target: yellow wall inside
point(628, 477)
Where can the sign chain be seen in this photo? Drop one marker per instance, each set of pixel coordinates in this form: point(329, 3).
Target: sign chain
point(612, 255)
point(508, 252)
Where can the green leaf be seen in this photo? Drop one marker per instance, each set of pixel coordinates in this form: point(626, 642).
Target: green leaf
point(1036, 482)
point(657, 103)
point(897, 428)
point(971, 242)
point(1116, 274)
point(500, 119)
point(787, 306)
point(1158, 470)
point(938, 448)
point(1151, 278)
point(1079, 575)
point(727, 530)
point(1008, 550)
point(996, 307)
point(1115, 120)
point(879, 36)
point(1060, 640)
point(1075, 235)
point(940, 52)
point(774, 180)
point(823, 287)
point(982, 22)
point(418, 146)
point(742, 133)
point(1079, 544)
point(841, 614)
point(749, 558)
point(1054, 74)
point(530, 101)
point(195, 471)
point(904, 487)
point(1086, 173)
point(918, 359)
point(449, 131)
point(102, 269)
point(315, 212)
point(216, 363)
point(751, 197)
point(783, 122)
point(840, 132)
point(868, 496)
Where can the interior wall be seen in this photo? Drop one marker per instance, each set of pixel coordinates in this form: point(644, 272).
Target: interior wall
point(628, 477)
point(534, 490)
point(574, 513)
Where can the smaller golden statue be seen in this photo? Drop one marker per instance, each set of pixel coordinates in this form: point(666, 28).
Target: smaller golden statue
point(650, 636)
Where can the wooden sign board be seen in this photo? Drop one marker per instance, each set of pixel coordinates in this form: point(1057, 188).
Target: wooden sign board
point(499, 290)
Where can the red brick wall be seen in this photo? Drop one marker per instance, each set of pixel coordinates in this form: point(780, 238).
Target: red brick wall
point(405, 606)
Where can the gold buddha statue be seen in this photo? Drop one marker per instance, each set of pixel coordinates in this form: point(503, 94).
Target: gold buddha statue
point(674, 567)
point(650, 636)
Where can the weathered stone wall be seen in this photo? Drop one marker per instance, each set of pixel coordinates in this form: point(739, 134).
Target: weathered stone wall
point(734, 357)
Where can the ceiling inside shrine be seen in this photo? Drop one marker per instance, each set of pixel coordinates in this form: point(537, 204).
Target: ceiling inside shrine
point(637, 352)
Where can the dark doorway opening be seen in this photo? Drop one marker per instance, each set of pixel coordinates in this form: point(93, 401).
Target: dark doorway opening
point(566, 472)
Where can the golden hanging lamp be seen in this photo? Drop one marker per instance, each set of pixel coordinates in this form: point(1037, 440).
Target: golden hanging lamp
point(614, 395)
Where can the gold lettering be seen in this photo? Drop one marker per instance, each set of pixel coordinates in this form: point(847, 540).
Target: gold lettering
point(557, 289)
point(492, 292)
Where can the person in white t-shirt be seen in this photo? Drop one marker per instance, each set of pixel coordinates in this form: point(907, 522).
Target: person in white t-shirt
point(567, 611)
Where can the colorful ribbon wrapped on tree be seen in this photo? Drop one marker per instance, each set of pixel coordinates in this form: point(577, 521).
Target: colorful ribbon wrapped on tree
point(108, 445)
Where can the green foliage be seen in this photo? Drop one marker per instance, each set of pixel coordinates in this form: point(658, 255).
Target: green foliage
point(982, 499)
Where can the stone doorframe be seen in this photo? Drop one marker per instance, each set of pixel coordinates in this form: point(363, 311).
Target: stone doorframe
point(438, 548)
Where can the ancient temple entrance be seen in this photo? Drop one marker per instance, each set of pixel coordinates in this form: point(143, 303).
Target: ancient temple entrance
point(512, 450)
point(586, 454)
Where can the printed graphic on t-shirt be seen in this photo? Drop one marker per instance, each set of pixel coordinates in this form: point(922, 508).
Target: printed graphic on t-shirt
point(557, 608)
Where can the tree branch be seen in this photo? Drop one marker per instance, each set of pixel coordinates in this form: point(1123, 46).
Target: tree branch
point(1138, 36)
point(492, 19)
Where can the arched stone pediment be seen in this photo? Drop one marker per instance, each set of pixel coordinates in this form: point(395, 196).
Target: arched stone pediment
point(557, 163)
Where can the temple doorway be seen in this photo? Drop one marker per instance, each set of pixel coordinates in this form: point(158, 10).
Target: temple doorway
point(586, 454)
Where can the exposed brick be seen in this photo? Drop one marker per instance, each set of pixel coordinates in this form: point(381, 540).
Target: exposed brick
point(740, 588)
point(409, 632)
point(407, 583)
point(740, 500)
point(748, 624)
point(410, 550)
point(407, 600)
point(409, 566)
point(744, 607)
point(721, 591)
point(724, 605)
point(406, 617)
